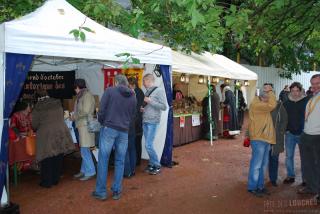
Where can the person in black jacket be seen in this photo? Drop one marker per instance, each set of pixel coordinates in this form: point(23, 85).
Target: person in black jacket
point(133, 155)
point(295, 107)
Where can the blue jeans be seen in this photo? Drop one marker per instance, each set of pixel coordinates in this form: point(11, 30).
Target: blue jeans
point(108, 138)
point(258, 164)
point(131, 156)
point(87, 165)
point(149, 131)
point(273, 166)
point(290, 145)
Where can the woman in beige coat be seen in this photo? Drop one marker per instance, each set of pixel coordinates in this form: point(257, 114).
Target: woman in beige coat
point(83, 111)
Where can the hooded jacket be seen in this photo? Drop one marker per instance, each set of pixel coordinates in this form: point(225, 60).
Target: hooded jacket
point(296, 112)
point(117, 108)
point(260, 121)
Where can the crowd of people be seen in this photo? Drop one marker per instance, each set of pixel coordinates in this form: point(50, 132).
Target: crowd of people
point(278, 126)
point(125, 115)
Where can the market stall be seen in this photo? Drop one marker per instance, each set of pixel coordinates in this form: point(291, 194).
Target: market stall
point(192, 75)
point(44, 35)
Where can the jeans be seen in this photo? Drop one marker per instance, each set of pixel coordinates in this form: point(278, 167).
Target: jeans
point(131, 159)
point(258, 164)
point(290, 145)
point(87, 165)
point(273, 166)
point(108, 138)
point(149, 131)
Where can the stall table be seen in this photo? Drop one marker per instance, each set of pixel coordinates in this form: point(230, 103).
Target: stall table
point(188, 133)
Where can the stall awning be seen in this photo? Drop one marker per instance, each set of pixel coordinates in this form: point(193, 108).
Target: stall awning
point(46, 32)
point(183, 63)
point(210, 65)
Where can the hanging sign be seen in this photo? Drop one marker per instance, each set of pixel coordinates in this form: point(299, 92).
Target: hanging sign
point(58, 84)
point(196, 120)
point(110, 73)
point(182, 121)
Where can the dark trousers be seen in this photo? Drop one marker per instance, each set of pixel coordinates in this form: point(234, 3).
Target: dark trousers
point(50, 170)
point(311, 160)
point(138, 147)
point(131, 156)
point(273, 166)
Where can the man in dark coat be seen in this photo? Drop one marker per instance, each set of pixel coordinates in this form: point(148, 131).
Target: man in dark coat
point(230, 116)
point(215, 106)
point(241, 107)
point(280, 121)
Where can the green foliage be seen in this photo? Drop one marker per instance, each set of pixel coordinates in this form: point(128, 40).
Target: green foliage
point(282, 33)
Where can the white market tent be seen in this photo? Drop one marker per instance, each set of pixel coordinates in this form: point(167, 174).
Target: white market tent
point(45, 32)
point(210, 65)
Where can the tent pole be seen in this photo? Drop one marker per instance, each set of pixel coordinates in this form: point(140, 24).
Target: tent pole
point(210, 110)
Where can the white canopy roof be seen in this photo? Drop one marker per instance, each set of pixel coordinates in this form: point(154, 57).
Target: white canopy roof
point(184, 63)
point(210, 65)
point(46, 32)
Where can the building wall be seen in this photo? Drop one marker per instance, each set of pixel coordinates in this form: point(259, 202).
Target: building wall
point(268, 74)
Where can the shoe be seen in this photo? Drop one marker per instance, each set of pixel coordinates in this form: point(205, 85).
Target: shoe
point(288, 180)
point(130, 175)
point(85, 178)
point(148, 169)
point(155, 170)
point(45, 185)
point(305, 191)
point(303, 184)
point(78, 175)
point(116, 195)
point(274, 183)
point(263, 191)
point(99, 197)
point(256, 193)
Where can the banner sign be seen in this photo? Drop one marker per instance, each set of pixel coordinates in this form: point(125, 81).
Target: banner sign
point(58, 84)
point(110, 73)
point(182, 121)
point(196, 120)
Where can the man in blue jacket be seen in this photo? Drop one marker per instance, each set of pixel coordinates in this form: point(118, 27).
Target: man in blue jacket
point(117, 109)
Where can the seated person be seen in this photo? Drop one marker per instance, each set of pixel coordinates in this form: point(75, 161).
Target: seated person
point(20, 121)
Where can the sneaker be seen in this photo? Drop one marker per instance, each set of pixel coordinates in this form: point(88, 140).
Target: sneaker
point(303, 184)
point(116, 195)
point(274, 183)
point(263, 191)
point(256, 193)
point(288, 180)
point(85, 178)
point(155, 170)
point(97, 196)
point(78, 175)
point(148, 169)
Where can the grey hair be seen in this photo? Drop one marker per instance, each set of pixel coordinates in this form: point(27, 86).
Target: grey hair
point(149, 76)
point(263, 94)
point(121, 80)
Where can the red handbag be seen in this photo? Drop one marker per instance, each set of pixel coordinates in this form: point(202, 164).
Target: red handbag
point(246, 142)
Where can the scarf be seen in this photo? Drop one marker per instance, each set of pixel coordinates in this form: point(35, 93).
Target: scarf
point(226, 88)
point(78, 97)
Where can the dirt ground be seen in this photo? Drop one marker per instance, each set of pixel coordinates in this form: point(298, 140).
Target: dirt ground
point(208, 179)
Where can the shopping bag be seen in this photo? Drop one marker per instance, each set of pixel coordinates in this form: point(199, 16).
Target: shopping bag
point(31, 145)
point(93, 125)
point(246, 142)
